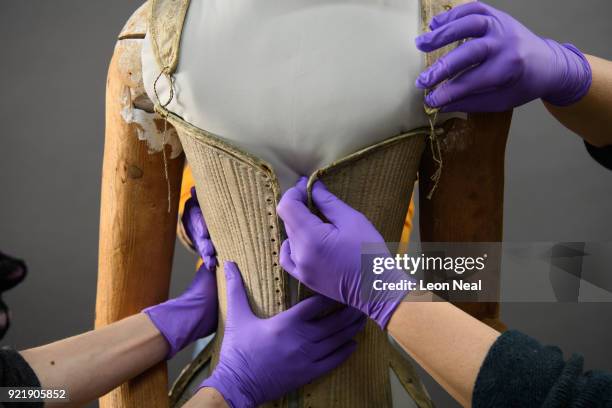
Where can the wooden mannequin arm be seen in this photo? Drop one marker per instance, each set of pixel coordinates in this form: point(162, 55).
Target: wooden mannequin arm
point(468, 203)
point(137, 232)
point(467, 206)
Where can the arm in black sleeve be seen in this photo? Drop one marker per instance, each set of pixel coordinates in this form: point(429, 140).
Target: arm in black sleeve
point(603, 155)
point(16, 372)
point(520, 372)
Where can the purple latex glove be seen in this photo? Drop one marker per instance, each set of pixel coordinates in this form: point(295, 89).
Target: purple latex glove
point(503, 65)
point(263, 359)
point(197, 231)
point(327, 256)
point(192, 315)
point(189, 317)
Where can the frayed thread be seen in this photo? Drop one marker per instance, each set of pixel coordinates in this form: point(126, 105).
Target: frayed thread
point(165, 72)
point(436, 151)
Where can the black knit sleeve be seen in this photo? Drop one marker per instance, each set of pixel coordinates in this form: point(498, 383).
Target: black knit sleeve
point(520, 372)
point(603, 155)
point(16, 372)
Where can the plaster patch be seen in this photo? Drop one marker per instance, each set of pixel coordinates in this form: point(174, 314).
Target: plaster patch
point(456, 139)
point(147, 129)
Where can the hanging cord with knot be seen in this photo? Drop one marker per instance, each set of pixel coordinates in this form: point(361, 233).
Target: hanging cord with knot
point(434, 141)
point(165, 72)
point(436, 151)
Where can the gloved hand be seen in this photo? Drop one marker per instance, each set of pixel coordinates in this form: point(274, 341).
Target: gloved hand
point(262, 359)
point(192, 315)
point(327, 257)
point(503, 65)
point(197, 231)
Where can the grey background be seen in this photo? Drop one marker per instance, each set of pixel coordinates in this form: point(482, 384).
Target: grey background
point(54, 56)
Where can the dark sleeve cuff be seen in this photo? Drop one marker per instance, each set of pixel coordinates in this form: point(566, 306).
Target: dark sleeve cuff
point(520, 372)
point(603, 155)
point(16, 372)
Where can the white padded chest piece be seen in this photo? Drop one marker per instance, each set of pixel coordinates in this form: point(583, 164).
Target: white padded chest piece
point(298, 83)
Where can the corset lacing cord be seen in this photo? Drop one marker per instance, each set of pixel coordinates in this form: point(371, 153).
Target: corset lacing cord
point(434, 141)
point(436, 151)
point(164, 114)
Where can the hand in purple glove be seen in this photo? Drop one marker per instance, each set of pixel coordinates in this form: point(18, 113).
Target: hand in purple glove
point(197, 231)
point(503, 65)
point(263, 359)
point(192, 315)
point(327, 257)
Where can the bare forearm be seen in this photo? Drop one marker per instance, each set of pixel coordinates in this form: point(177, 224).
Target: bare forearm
point(447, 342)
point(206, 397)
point(591, 117)
point(91, 364)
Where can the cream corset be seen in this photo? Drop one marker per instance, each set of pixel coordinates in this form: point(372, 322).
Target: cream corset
point(297, 83)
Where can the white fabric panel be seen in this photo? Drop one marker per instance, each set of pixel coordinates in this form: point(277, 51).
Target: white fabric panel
point(299, 83)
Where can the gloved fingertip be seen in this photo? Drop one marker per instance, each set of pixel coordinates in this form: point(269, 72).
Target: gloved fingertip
point(285, 248)
point(430, 100)
point(285, 258)
point(418, 41)
point(211, 263)
point(319, 185)
point(326, 201)
point(422, 81)
point(194, 193)
point(231, 269)
point(318, 190)
point(302, 184)
point(436, 22)
point(297, 193)
point(423, 42)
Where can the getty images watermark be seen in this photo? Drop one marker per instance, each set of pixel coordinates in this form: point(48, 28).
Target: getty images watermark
point(410, 265)
point(490, 272)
